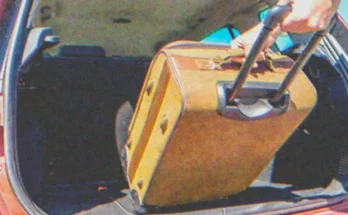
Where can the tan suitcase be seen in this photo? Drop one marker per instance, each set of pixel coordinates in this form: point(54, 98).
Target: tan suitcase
point(187, 142)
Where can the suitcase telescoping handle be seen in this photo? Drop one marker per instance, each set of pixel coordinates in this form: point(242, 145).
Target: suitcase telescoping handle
point(274, 17)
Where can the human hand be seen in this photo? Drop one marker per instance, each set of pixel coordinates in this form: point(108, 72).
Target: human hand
point(247, 39)
point(306, 16)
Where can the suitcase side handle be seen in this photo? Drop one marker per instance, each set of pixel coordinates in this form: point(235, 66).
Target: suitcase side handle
point(274, 17)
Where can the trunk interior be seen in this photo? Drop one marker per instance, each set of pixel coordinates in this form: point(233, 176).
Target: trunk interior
point(69, 161)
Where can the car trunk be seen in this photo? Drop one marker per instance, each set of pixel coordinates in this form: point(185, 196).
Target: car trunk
point(68, 156)
point(68, 101)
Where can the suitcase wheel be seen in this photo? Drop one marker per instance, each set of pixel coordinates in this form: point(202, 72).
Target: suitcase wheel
point(123, 118)
point(138, 208)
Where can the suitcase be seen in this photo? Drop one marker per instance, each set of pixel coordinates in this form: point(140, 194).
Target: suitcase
point(205, 126)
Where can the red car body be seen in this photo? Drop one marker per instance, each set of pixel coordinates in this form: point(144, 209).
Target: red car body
point(9, 204)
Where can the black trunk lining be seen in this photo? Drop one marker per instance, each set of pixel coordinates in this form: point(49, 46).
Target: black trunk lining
point(67, 109)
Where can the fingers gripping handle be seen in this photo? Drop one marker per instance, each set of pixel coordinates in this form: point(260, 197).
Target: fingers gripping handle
point(274, 17)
